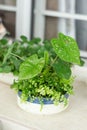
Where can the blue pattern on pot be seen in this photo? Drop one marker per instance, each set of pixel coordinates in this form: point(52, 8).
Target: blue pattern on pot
point(44, 100)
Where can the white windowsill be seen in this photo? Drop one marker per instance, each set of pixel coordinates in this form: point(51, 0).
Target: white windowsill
point(73, 118)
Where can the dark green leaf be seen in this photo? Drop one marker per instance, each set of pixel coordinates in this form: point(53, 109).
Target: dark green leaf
point(6, 69)
point(16, 62)
point(62, 69)
point(82, 62)
point(3, 41)
point(24, 38)
point(35, 41)
point(41, 51)
point(8, 53)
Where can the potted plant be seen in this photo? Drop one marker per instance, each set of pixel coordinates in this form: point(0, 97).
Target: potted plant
point(45, 79)
point(12, 54)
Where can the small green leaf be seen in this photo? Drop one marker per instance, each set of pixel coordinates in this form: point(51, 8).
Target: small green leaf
point(46, 57)
point(82, 62)
point(66, 49)
point(1, 70)
point(16, 62)
point(36, 40)
point(41, 51)
point(3, 41)
point(62, 69)
point(6, 69)
point(24, 38)
point(8, 53)
point(31, 67)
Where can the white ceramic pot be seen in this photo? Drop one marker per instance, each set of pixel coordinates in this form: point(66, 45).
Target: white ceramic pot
point(35, 108)
point(7, 78)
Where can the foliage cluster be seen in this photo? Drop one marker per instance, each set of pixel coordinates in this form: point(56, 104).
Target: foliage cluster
point(12, 55)
point(46, 73)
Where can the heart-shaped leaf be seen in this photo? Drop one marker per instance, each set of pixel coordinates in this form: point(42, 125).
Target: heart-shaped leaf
point(31, 67)
point(66, 48)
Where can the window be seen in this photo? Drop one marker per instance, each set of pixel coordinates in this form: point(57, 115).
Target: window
point(67, 16)
point(49, 18)
point(16, 16)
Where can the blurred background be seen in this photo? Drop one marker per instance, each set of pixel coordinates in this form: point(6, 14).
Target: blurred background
point(44, 19)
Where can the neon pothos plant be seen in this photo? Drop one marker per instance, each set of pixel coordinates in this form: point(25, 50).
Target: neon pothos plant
point(49, 76)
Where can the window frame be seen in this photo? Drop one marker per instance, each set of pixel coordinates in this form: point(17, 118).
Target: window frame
point(41, 12)
point(23, 16)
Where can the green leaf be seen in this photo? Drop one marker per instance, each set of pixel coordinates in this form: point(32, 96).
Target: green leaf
point(41, 51)
point(31, 67)
point(66, 48)
point(1, 70)
point(8, 53)
point(16, 62)
point(3, 41)
point(82, 62)
point(46, 57)
point(6, 69)
point(62, 69)
point(35, 41)
point(24, 38)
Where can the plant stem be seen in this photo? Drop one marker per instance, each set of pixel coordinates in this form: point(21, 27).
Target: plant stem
point(47, 70)
point(54, 60)
point(17, 56)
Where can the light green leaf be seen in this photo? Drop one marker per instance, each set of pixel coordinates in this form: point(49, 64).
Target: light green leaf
point(46, 57)
point(1, 70)
point(31, 67)
point(66, 48)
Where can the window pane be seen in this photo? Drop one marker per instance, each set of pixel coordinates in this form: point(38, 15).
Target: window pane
point(61, 5)
point(8, 2)
point(81, 34)
point(51, 27)
point(8, 19)
point(69, 6)
point(75, 28)
point(52, 5)
point(81, 6)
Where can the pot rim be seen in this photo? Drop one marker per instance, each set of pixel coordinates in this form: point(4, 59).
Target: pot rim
point(43, 100)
